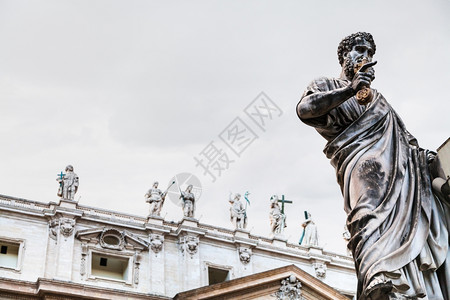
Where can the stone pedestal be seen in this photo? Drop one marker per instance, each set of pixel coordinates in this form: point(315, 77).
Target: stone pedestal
point(279, 241)
point(66, 203)
point(155, 220)
point(313, 250)
point(191, 222)
point(241, 233)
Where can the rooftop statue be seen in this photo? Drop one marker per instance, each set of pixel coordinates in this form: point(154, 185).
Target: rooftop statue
point(399, 229)
point(238, 212)
point(68, 184)
point(156, 198)
point(309, 236)
point(188, 202)
point(277, 217)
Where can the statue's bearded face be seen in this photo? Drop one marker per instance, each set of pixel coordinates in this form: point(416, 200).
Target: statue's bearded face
point(361, 49)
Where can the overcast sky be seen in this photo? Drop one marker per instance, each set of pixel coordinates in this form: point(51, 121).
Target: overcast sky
point(129, 92)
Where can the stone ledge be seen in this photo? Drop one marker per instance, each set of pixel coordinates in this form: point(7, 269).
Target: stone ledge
point(60, 289)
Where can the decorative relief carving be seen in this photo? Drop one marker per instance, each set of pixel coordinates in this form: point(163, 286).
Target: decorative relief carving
point(245, 255)
point(66, 226)
point(137, 263)
point(156, 242)
point(112, 239)
point(53, 229)
point(321, 269)
point(290, 289)
point(189, 244)
point(84, 252)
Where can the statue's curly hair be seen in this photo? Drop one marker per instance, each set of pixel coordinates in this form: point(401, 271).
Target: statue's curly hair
point(348, 42)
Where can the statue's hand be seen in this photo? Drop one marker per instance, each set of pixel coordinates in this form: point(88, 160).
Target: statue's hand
point(364, 77)
point(361, 80)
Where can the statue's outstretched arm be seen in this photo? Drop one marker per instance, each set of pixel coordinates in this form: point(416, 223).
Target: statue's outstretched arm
point(318, 104)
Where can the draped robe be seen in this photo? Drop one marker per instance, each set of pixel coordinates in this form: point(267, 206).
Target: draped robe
point(399, 229)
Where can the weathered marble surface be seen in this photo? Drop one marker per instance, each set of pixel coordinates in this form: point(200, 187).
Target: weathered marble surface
point(399, 228)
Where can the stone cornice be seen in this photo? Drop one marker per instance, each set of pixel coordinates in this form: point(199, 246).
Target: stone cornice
point(186, 226)
point(69, 290)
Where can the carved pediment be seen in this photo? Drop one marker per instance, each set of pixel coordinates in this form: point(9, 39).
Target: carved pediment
point(285, 283)
point(112, 238)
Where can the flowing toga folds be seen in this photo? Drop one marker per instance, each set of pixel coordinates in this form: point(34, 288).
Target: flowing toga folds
point(399, 228)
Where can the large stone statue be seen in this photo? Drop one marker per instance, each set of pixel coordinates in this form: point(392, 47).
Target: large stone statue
point(188, 200)
point(156, 198)
point(310, 236)
point(238, 212)
point(399, 230)
point(277, 218)
point(68, 184)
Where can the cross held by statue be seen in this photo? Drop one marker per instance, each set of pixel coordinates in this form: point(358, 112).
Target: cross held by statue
point(61, 175)
point(283, 201)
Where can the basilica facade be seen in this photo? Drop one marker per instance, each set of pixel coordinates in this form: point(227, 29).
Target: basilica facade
point(65, 250)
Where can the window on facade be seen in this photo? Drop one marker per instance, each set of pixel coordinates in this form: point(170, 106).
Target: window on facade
point(217, 275)
point(103, 261)
point(109, 266)
point(9, 254)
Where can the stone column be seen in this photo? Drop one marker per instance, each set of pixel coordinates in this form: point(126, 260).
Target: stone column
point(52, 248)
point(244, 249)
point(156, 254)
point(157, 266)
point(189, 245)
point(66, 241)
point(189, 234)
point(62, 237)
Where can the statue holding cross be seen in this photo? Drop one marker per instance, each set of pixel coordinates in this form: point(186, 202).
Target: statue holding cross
point(277, 215)
point(283, 201)
point(68, 183)
point(309, 236)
